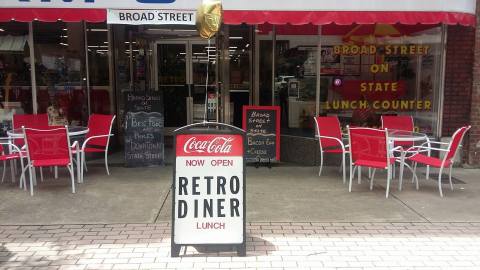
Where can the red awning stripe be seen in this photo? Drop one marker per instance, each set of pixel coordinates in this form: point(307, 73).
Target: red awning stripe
point(258, 17)
point(346, 17)
point(52, 14)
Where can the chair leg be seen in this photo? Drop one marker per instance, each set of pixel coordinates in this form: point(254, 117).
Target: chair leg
point(450, 177)
point(23, 183)
point(41, 174)
point(106, 163)
point(31, 178)
point(415, 178)
point(21, 179)
point(440, 182)
point(83, 165)
point(400, 176)
point(359, 175)
point(12, 170)
point(429, 145)
point(371, 178)
point(15, 166)
point(352, 172)
point(343, 168)
point(4, 170)
point(389, 176)
point(55, 171)
point(84, 162)
point(393, 171)
point(321, 164)
point(24, 171)
point(70, 169)
point(79, 165)
point(414, 172)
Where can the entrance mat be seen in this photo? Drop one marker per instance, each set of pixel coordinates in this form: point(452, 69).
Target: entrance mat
point(434, 177)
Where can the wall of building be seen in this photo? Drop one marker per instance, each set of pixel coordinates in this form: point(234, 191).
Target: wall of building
point(458, 80)
point(474, 136)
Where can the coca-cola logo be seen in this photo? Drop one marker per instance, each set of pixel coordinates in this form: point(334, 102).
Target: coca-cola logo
point(216, 145)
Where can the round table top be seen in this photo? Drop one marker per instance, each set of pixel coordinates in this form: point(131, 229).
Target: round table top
point(72, 131)
point(403, 135)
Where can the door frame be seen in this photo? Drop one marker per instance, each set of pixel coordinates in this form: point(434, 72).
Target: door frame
point(188, 66)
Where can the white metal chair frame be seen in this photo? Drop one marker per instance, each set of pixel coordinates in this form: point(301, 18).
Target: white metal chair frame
point(389, 166)
point(69, 166)
point(422, 148)
point(83, 163)
point(14, 149)
point(343, 146)
point(427, 174)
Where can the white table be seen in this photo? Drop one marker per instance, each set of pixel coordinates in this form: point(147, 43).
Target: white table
point(73, 131)
point(407, 136)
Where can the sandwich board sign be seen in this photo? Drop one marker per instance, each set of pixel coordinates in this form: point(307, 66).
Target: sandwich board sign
point(208, 190)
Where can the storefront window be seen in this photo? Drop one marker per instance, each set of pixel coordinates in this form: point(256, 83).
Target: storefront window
point(15, 83)
point(101, 95)
point(296, 80)
point(129, 63)
point(60, 72)
point(366, 71)
point(371, 70)
point(240, 82)
point(265, 69)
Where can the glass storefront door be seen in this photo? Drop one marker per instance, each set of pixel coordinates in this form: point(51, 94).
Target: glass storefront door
point(182, 74)
point(173, 81)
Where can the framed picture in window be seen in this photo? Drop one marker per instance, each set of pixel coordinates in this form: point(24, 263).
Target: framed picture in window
point(329, 56)
point(293, 89)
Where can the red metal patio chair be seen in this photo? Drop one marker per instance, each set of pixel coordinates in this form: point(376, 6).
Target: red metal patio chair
point(48, 148)
point(399, 122)
point(97, 138)
point(30, 121)
point(370, 148)
point(441, 163)
point(329, 136)
point(8, 152)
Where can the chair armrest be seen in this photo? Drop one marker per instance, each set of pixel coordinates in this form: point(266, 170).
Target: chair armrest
point(411, 149)
point(333, 138)
point(439, 143)
point(75, 144)
point(13, 147)
point(397, 148)
point(94, 137)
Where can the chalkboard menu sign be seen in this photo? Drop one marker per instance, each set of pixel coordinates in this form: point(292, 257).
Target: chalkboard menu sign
point(144, 128)
point(262, 125)
point(139, 101)
point(144, 142)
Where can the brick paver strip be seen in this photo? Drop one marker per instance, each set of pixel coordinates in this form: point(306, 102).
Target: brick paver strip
point(270, 246)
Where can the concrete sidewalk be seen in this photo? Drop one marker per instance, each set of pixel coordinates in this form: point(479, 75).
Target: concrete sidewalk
point(295, 220)
point(282, 194)
point(300, 245)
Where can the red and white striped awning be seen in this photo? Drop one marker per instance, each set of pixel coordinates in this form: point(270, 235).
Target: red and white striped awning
point(321, 12)
point(295, 12)
point(52, 14)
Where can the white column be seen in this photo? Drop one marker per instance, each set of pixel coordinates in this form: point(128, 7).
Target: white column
point(32, 68)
